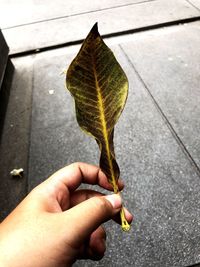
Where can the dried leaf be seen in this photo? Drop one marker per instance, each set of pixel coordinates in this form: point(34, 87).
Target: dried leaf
point(99, 87)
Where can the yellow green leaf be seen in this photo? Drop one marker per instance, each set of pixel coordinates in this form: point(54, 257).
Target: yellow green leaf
point(99, 87)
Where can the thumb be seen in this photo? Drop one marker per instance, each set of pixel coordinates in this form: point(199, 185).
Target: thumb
point(87, 216)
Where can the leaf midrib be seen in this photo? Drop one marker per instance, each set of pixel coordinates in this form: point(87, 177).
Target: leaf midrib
point(104, 128)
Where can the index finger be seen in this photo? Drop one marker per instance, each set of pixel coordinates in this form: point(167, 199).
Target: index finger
point(76, 173)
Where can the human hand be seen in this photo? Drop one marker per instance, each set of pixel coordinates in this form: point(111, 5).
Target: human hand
point(57, 224)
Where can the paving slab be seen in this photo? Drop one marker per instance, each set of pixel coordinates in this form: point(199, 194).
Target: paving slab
point(120, 19)
point(14, 13)
point(162, 188)
point(3, 57)
point(14, 139)
point(168, 62)
point(50, 99)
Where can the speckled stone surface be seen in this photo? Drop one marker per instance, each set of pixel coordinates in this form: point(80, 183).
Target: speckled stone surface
point(162, 188)
point(168, 62)
point(15, 110)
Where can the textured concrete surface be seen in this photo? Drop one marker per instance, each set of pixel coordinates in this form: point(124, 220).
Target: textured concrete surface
point(68, 29)
point(25, 12)
point(177, 86)
point(162, 187)
point(15, 135)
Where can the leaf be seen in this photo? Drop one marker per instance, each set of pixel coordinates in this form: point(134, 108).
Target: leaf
point(99, 87)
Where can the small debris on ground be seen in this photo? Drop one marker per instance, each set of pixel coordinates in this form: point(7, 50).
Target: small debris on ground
point(17, 172)
point(51, 92)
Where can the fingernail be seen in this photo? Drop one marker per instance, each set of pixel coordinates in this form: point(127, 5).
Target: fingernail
point(115, 200)
point(128, 215)
point(120, 182)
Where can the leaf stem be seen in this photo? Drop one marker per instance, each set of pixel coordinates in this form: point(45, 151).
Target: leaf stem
point(124, 224)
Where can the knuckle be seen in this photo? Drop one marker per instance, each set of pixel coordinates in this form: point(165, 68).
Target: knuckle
point(75, 165)
point(100, 203)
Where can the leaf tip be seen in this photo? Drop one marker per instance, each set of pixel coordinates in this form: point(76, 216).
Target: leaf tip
point(94, 31)
point(95, 27)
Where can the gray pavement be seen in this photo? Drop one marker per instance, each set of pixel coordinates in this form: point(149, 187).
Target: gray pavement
point(113, 17)
point(157, 137)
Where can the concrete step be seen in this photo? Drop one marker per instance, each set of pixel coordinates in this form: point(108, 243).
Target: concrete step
point(4, 50)
point(29, 11)
point(121, 19)
point(15, 108)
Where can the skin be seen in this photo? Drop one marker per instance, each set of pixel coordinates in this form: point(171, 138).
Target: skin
point(56, 224)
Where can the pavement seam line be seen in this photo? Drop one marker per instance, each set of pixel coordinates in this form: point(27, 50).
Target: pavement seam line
point(193, 5)
point(109, 35)
point(77, 14)
point(30, 128)
point(164, 117)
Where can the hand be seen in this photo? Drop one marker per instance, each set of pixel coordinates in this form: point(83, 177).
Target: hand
point(57, 224)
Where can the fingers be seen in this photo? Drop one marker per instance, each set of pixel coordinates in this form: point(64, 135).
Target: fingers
point(90, 214)
point(97, 243)
point(82, 195)
point(95, 247)
point(75, 174)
